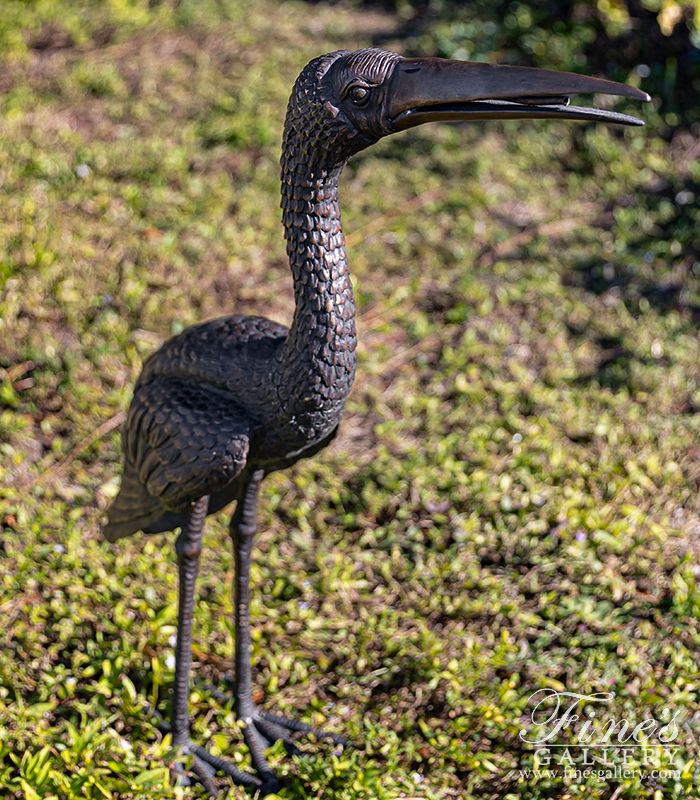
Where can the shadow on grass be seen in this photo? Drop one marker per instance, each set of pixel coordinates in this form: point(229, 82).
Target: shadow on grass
point(666, 295)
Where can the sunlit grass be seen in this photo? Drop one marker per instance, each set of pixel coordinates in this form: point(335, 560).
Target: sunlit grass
point(512, 501)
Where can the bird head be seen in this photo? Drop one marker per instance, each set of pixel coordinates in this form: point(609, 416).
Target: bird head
point(346, 101)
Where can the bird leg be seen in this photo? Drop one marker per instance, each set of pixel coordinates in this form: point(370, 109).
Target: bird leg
point(204, 765)
point(243, 529)
point(188, 548)
point(262, 728)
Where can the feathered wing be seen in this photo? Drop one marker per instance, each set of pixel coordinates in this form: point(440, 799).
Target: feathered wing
point(181, 442)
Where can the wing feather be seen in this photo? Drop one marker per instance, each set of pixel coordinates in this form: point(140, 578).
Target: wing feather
point(182, 441)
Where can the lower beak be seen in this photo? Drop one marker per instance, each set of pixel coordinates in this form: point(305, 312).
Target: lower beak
point(436, 89)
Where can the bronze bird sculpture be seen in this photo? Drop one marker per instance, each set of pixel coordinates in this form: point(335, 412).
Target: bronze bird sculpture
point(230, 400)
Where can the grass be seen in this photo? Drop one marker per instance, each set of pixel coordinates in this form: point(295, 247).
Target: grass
point(512, 504)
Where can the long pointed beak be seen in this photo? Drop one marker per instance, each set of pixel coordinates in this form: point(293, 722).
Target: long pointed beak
point(435, 89)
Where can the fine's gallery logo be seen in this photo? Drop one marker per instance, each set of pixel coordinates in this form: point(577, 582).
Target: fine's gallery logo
point(572, 731)
point(576, 713)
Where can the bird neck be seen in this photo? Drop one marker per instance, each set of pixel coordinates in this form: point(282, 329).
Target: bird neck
point(319, 357)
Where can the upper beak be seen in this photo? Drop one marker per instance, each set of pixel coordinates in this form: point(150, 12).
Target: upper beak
point(433, 89)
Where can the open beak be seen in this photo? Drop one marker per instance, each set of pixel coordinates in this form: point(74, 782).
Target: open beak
point(436, 89)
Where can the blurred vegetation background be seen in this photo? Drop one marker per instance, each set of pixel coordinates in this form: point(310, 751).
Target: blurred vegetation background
point(512, 504)
point(658, 39)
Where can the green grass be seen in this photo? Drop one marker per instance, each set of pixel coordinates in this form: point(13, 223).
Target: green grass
point(512, 503)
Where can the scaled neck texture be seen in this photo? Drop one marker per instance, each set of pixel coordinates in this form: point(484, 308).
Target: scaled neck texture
point(317, 363)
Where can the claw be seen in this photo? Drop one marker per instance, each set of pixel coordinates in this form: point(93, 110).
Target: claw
point(202, 771)
point(261, 731)
point(275, 720)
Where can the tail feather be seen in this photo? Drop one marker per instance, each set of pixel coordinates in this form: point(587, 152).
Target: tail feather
point(133, 510)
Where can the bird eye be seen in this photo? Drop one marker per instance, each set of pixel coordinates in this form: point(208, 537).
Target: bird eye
point(358, 94)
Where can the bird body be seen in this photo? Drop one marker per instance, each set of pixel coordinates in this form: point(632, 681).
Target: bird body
point(246, 391)
point(230, 400)
point(204, 403)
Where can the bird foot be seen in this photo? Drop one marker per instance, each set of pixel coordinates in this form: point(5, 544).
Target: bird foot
point(275, 727)
point(204, 766)
point(261, 729)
